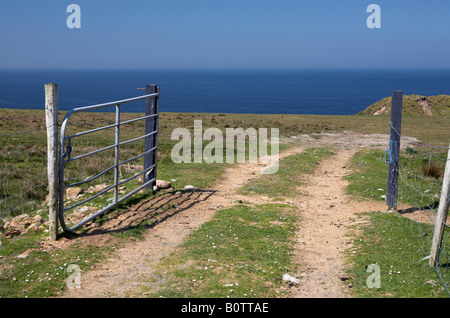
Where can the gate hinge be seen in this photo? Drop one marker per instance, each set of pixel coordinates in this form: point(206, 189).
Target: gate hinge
point(68, 151)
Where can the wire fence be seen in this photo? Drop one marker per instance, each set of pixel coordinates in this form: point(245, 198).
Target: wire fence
point(23, 174)
point(420, 182)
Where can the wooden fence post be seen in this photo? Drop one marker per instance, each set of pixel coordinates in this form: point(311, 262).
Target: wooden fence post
point(51, 119)
point(396, 124)
point(441, 217)
point(151, 124)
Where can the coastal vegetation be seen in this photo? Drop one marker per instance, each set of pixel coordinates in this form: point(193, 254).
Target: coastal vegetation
point(413, 105)
point(30, 268)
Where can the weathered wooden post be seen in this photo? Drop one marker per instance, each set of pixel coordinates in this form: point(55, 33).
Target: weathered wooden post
point(51, 118)
point(151, 125)
point(396, 124)
point(441, 217)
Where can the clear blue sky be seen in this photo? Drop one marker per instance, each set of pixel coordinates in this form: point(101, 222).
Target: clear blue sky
point(224, 34)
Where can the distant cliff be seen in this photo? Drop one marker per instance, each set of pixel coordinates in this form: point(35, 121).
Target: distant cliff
point(413, 105)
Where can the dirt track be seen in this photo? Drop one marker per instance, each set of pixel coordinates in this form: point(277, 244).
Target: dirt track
point(326, 214)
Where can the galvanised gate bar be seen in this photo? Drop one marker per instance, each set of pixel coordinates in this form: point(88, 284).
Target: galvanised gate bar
point(150, 136)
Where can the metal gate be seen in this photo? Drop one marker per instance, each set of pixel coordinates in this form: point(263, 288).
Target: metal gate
point(149, 148)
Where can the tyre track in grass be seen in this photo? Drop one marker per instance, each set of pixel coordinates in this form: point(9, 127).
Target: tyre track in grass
point(326, 215)
point(131, 266)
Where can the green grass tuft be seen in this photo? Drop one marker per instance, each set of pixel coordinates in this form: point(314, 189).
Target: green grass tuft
point(290, 175)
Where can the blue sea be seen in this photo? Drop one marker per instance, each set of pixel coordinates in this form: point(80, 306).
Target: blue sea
point(258, 91)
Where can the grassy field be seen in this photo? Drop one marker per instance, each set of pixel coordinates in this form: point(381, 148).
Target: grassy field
point(419, 183)
point(394, 243)
point(23, 155)
point(23, 189)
